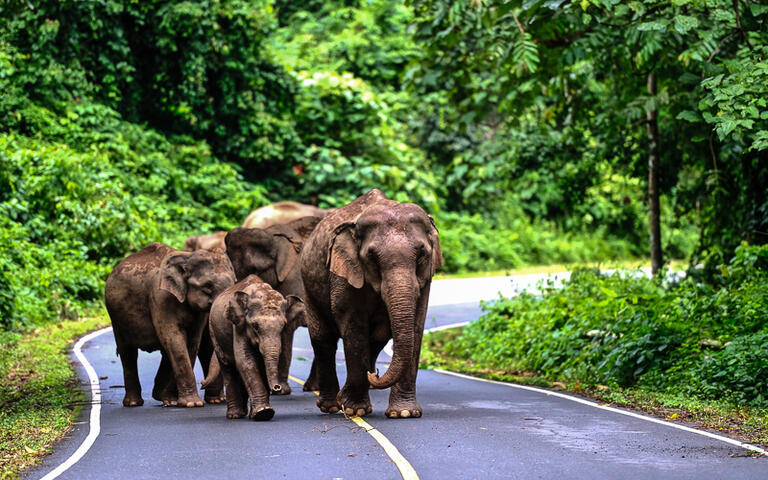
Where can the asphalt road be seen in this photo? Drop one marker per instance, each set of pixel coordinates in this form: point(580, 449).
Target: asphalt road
point(470, 429)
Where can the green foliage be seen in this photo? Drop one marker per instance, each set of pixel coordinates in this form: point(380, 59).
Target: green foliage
point(584, 82)
point(474, 243)
point(355, 143)
point(193, 68)
point(367, 39)
point(38, 403)
point(631, 330)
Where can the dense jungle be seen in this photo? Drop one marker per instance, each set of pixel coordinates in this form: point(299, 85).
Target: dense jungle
point(584, 133)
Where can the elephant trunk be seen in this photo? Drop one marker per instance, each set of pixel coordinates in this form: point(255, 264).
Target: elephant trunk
point(214, 370)
point(400, 299)
point(271, 353)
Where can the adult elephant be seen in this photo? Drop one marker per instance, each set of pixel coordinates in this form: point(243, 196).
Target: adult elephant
point(210, 241)
point(159, 299)
point(272, 253)
point(281, 212)
point(367, 269)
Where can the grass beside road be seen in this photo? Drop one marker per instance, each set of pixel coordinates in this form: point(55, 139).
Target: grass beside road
point(39, 393)
point(749, 425)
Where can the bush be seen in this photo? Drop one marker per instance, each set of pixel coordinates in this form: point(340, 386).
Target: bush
point(626, 329)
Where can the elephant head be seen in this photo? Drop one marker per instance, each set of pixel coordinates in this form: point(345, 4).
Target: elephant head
point(394, 248)
point(196, 278)
point(271, 253)
point(260, 314)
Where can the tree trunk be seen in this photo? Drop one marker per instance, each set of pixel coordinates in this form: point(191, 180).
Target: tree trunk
point(652, 129)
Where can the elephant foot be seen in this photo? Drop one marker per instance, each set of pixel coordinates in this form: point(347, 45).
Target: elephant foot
point(403, 410)
point(327, 404)
point(190, 401)
point(262, 413)
point(311, 384)
point(133, 401)
point(167, 396)
point(215, 397)
point(352, 404)
point(285, 389)
point(233, 413)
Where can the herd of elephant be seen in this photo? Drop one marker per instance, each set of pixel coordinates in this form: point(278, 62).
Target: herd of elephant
point(361, 272)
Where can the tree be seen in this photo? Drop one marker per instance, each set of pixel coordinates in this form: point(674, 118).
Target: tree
point(642, 77)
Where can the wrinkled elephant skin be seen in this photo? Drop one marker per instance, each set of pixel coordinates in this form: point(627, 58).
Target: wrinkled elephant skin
point(247, 321)
point(367, 269)
point(159, 299)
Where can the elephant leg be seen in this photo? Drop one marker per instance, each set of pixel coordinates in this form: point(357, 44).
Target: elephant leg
point(324, 341)
point(180, 350)
point(250, 367)
point(284, 365)
point(165, 386)
point(128, 357)
point(402, 396)
point(353, 397)
point(311, 385)
point(214, 389)
point(236, 393)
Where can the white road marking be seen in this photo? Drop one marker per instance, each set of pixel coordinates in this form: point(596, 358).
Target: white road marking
point(95, 425)
point(731, 441)
point(388, 346)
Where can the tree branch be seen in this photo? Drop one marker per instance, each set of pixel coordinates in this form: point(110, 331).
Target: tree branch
point(738, 23)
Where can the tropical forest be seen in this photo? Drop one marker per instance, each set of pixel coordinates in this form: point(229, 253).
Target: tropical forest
point(593, 136)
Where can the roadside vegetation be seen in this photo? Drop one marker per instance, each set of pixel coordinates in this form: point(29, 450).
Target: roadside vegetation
point(531, 131)
point(40, 395)
point(686, 349)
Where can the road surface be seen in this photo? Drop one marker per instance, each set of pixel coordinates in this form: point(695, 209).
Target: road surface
point(470, 428)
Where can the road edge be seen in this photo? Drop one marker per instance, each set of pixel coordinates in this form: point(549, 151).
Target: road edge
point(629, 413)
point(94, 422)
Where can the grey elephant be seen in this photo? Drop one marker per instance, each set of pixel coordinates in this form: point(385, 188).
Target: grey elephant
point(158, 299)
point(281, 212)
point(210, 241)
point(272, 253)
point(247, 321)
point(367, 269)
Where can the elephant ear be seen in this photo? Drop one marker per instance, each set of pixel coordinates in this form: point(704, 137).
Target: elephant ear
point(287, 253)
point(236, 308)
point(437, 252)
point(295, 312)
point(174, 274)
point(343, 259)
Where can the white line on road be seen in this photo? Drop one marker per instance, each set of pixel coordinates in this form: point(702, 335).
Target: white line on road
point(614, 410)
point(95, 426)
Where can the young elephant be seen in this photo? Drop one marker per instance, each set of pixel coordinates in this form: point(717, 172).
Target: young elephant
point(367, 269)
point(247, 321)
point(272, 253)
point(158, 299)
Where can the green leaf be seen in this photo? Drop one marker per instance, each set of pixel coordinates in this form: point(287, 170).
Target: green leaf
point(684, 23)
point(689, 116)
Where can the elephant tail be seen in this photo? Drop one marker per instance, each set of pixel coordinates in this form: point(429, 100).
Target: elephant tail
point(214, 370)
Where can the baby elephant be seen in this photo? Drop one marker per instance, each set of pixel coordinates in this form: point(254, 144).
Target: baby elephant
point(247, 321)
point(158, 299)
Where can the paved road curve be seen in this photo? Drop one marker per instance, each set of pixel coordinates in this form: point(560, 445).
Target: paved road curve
point(470, 429)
